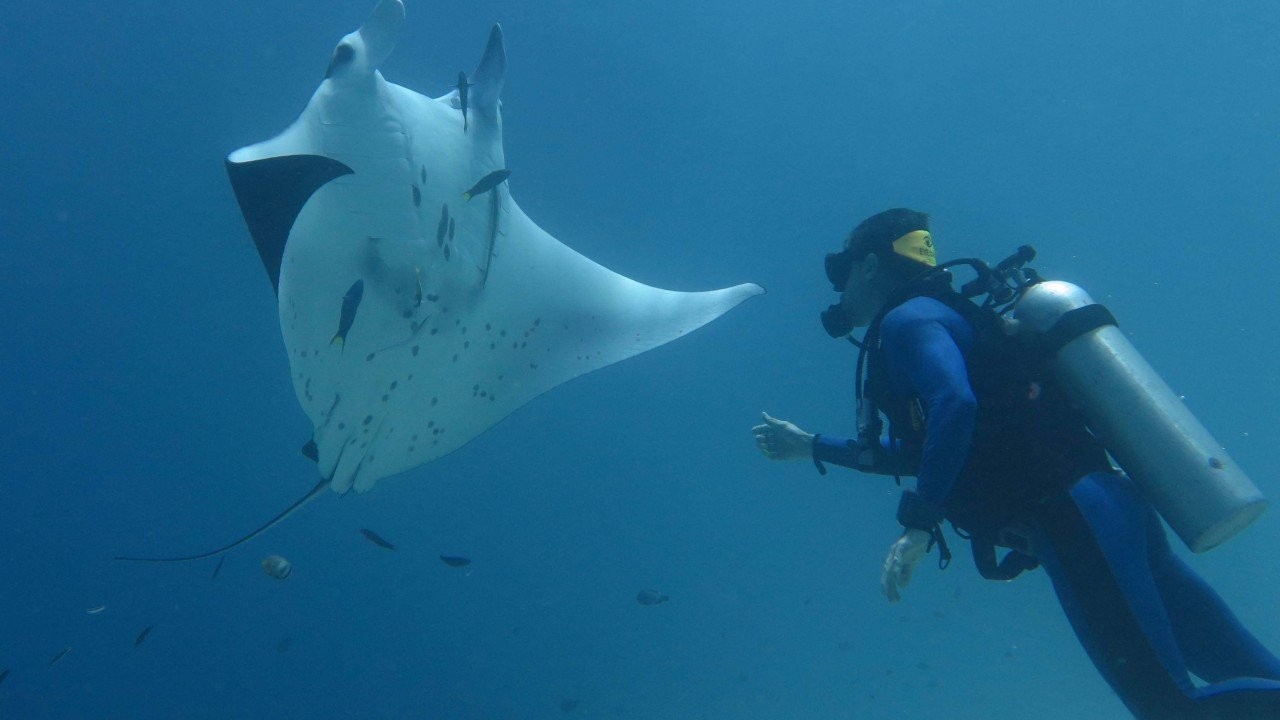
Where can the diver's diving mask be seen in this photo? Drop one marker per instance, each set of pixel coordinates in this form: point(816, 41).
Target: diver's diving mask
point(838, 266)
point(835, 320)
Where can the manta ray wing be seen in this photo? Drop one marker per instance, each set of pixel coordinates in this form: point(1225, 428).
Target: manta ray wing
point(468, 309)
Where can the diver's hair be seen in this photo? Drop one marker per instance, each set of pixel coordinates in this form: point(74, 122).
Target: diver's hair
point(876, 235)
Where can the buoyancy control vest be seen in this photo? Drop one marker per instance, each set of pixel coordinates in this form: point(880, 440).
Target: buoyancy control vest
point(1059, 388)
point(1028, 440)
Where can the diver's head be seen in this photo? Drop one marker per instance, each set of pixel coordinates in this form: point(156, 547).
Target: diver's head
point(882, 253)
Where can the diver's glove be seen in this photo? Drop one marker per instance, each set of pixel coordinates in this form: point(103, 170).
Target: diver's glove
point(782, 440)
point(903, 557)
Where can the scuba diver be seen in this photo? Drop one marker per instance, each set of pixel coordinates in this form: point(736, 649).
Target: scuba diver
point(1008, 412)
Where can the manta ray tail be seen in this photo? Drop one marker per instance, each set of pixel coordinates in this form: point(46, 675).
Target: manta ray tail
point(313, 492)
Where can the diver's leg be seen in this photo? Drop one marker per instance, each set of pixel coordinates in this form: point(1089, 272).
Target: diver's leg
point(1216, 646)
point(1092, 543)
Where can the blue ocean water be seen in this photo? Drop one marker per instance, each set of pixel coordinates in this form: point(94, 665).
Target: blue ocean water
point(147, 405)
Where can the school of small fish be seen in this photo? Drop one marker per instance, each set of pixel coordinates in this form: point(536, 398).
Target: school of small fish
point(274, 566)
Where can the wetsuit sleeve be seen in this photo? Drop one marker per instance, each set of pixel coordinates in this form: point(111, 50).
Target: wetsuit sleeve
point(925, 362)
point(843, 451)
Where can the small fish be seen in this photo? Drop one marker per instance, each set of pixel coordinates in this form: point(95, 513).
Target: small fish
point(376, 539)
point(59, 656)
point(487, 183)
point(218, 568)
point(96, 610)
point(4, 674)
point(443, 226)
point(350, 303)
point(463, 87)
point(143, 635)
point(651, 597)
point(276, 566)
point(455, 560)
point(417, 295)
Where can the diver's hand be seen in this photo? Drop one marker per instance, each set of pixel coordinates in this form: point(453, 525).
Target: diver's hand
point(781, 440)
point(902, 559)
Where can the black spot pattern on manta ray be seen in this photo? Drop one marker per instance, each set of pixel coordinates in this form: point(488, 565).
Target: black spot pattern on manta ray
point(417, 197)
point(424, 175)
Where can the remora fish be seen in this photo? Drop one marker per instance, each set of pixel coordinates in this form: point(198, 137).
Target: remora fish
point(487, 183)
point(96, 610)
point(442, 227)
point(350, 303)
point(455, 560)
point(143, 635)
point(376, 539)
point(463, 85)
point(60, 655)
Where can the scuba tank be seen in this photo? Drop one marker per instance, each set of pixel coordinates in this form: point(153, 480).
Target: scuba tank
point(1177, 465)
point(1186, 475)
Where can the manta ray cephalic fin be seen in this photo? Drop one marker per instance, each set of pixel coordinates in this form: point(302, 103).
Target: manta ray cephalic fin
point(271, 193)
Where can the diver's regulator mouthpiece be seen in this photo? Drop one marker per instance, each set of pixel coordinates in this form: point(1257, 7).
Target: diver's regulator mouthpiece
point(836, 321)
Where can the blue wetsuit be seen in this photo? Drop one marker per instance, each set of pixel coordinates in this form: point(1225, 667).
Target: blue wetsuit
point(1146, 619)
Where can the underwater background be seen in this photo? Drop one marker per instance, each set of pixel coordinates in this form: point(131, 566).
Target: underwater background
point(146, 405)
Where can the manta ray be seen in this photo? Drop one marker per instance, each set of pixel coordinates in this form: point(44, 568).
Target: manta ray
point(418, 304)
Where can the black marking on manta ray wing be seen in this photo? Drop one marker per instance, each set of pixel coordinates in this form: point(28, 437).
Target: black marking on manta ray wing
point(271, 193)
point(417, 197)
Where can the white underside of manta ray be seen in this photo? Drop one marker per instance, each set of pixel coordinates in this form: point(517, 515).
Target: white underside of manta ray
point(468, 309)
